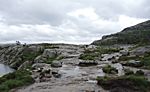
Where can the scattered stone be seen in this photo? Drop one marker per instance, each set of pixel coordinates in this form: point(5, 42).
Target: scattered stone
point(40, 65)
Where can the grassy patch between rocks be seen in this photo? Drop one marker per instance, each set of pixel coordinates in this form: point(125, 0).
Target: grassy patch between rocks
point(131, 83)
point(92, 54)
point(145, 60)
point(16, 79)
point(50, 60)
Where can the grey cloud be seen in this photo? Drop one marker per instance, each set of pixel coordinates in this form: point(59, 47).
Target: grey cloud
point(35, 11)
point(54, 11)
point(48, 20)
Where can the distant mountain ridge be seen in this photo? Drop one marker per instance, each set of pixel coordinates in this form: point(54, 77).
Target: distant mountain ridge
point(138, 34)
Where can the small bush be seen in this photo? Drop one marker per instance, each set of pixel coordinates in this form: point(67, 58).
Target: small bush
point(110, 70)
point(126, 58)
point(146, 62)
point(88, 56)
point(139, 72)
point(128, 72)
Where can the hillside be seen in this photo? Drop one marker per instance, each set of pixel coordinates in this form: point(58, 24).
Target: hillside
point(138, 34)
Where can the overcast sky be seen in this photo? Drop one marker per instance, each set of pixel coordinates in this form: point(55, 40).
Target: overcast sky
point(68, 21)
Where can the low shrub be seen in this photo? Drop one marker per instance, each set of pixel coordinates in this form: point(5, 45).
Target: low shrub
point(128, 72)
point(110, 70)
point(131, 83)
point(139, 72)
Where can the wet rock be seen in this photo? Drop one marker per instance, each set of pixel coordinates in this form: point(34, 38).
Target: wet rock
point(56, 64)
point(87, 63)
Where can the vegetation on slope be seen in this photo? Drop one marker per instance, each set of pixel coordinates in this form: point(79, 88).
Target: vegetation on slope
point(138, 34)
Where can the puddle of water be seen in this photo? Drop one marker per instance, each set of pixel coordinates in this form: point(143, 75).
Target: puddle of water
point(76, 71)
point(4, 69)
point(70, 71)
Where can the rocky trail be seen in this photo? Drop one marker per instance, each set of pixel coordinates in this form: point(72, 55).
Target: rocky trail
point(65, 74)
point(73, 78)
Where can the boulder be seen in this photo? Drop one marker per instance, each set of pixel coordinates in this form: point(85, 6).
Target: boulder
point(24, 65)
point(50, 53)
point(39, 59)
point(56, 64)
point(124, 52)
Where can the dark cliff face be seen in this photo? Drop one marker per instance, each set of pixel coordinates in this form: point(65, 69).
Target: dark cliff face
point(138, 34)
